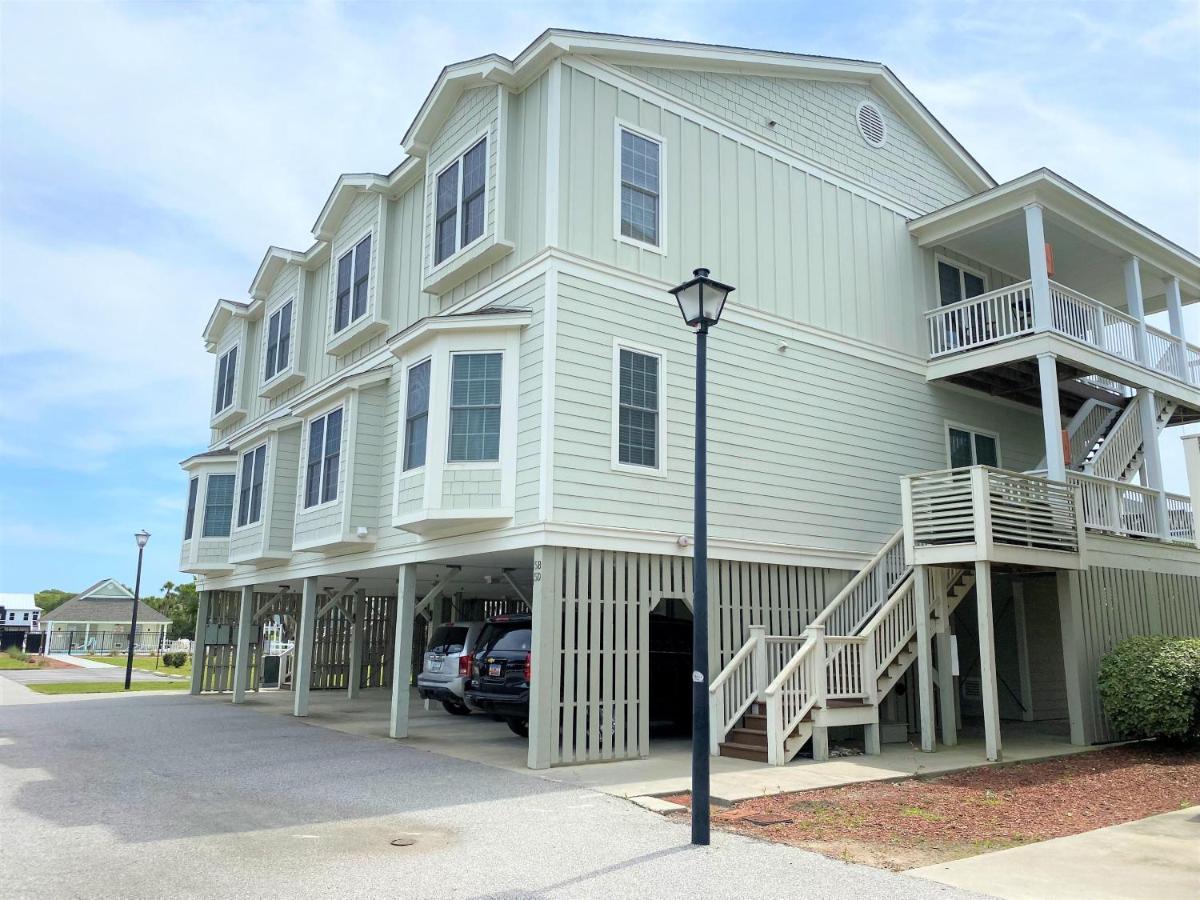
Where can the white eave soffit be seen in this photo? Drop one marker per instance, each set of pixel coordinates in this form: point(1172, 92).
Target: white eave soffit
point(223, 313)
point(349, 186)
point(421, 331)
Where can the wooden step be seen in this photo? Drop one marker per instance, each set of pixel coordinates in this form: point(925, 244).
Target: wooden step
point(744, 751)
point(749, 737)
point(754, 722)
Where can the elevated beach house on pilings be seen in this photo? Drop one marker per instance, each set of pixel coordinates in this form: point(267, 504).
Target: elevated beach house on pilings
point(936, 491)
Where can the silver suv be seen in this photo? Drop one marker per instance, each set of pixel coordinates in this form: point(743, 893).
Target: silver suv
point(448, 665)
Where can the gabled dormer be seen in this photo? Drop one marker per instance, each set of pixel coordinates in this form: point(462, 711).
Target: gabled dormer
point(280, 286)
point(225, 337)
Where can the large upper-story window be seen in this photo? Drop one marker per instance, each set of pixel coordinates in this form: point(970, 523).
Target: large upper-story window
point(972, 448)
point(460, 203)
point(956, 282)
point(193, 488)
point(324, 459)
point(416, 416)
point(640, 200)
point(353, 274)
point(638, 404)
point(475, 407)
point(279, 341)
point(226, 373)
point(218, 506)
point(250, 489)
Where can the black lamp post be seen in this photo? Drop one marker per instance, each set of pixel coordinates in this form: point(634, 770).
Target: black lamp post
point(701, 301)
point(142, 538)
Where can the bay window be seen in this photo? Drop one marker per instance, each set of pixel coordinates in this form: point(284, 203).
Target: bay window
point(324, 459)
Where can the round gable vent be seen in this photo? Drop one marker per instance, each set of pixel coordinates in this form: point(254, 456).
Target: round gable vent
point(871, 124)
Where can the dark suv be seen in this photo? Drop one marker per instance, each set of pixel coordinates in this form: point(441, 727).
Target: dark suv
point(499, 682)
point(500, 671)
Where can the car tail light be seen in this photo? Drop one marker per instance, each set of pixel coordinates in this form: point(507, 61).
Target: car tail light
point(464, 665)
point(528, 667)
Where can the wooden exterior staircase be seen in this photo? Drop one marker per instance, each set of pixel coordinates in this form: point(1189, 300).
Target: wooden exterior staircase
point(1119, 452)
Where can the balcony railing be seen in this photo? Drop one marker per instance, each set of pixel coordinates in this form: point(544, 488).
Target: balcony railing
point(1008, 313)
point(1131, 510)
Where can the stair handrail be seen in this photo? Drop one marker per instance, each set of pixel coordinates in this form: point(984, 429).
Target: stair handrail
point(884, 654)
point(801, 679)
point(867, 571)
point(748, 664)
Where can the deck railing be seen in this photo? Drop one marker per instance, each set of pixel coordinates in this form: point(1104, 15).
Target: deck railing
point(1008, 313)
point(1130, 510)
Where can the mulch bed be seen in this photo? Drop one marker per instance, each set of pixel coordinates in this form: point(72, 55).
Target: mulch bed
point(921, 821)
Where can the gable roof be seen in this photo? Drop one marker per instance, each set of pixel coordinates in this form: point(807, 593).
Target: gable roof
point(17, 601)
point(223, 313)
point(555, 42)
point(105, 601)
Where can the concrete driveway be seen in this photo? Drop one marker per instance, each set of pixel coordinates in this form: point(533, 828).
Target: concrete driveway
point(168, 795)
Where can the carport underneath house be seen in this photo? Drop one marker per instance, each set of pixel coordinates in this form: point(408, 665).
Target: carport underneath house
point(591, 685)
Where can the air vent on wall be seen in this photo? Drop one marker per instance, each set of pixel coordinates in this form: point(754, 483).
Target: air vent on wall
point(870, 124)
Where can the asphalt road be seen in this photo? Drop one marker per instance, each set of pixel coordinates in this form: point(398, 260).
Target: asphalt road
point(167, 796)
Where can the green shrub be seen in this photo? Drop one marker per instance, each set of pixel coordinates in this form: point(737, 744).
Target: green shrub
point(1150, 688)
point(15, 652)
point(174, 659)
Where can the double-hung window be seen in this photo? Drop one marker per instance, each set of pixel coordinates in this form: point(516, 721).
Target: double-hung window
point(416, 416)
point(193, 488)
point(353, 275)
point(251, 488)
point(324, 458)
point(638, 404)
point(279, 341)
point(640, 191)
point(226, 372)
point(475, 407)
point(460, 203)
point(972, 448)
point(218, 505)
point(956, 283)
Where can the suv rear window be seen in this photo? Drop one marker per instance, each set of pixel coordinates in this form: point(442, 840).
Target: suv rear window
point(516, 639)
point(448, 639)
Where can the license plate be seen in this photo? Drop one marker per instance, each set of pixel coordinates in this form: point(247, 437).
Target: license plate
point(435, 665)
point(494, 669)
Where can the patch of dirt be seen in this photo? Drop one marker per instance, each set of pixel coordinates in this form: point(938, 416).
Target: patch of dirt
point(922, 821)
point(45, 662)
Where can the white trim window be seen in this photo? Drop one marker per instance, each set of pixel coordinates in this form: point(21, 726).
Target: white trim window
point(957, 282)
point(416, 415)
point(638, 409)
point(968, 447)
point(475, 392)
point(250, 488)
point(226, 375)
point(193, 490)
point(640, 180)
point(324, 459)
point(353, 276)
point(218, 505)
point(460, 203)
point(279, 341)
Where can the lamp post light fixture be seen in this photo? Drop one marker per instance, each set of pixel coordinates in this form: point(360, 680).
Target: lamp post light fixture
point(142, 538)
point(701, 301)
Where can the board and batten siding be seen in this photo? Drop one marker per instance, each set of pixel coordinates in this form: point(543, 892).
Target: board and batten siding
point(807, 445)
point(795, 243)
point(816, 119)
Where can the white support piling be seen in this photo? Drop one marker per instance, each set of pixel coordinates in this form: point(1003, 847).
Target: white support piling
point(241, 663)
point(987, 659)
point(202, 604)
point(406, 606)
point(924, 659)
point(358, 612)
point(302, 674)
point(543, 704)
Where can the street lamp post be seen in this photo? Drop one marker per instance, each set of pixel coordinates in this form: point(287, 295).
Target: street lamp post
point(700, 300)
point(142, 538)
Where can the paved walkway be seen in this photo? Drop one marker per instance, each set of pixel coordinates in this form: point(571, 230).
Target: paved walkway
point(1157, 857)
point(174, 795)
point(78, 661)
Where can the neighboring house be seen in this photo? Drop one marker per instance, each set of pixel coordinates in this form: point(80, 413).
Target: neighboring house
point(927, 388)
point(19, 616)
point(97, 620)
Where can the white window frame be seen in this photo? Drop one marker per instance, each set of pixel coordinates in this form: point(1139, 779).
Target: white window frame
point(962, 267)
point(660, 470)
point(449, 378)
point(262, 507)
point(191, 505)
point(350, 248)
point(457, 157)
point(429, 418)
point(342, 461)
point(661, 247)
point(972, 430)
point(238, 365)
point(281, 371)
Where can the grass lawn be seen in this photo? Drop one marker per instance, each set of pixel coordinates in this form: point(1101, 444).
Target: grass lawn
point(105, 687)
point(145, 663)
point(11, 662)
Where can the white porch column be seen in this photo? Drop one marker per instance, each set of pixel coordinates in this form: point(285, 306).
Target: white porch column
point(406, 605)
point(945, 669)
point(1056, 463)
point(1152, 460)
point(1137, 309)
point(202, 602)
point(354, 676)
point(302, 674)
point(1191, 460)
point(1175, 308)
point(241, 663)
point(1039, 276)
point(924, 659)
point(987, 660)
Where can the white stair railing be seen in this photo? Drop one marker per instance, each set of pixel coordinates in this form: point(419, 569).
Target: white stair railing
point(793, 693)
point(1116, 458)
point(866, 591)
point(892, 627)
point(736, 687)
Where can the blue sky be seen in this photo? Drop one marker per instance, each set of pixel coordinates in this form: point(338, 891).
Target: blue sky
point(150, 153)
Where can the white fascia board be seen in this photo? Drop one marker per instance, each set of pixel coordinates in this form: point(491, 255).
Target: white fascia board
point(226, 462)
point(262, 429)
point(403, 342)
point(273, 262)
point(342, 388)
point(224, 312)
point(341, 198)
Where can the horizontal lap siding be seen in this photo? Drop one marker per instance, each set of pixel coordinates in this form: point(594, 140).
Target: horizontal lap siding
point(282, 496)
point(370, 448)
point(806, 446)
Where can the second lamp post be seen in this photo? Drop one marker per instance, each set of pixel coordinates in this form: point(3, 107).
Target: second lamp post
point(700, 300)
